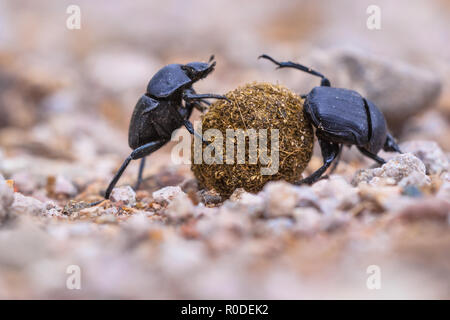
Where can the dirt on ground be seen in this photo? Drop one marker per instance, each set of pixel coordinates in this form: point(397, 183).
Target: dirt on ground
point(66, 98)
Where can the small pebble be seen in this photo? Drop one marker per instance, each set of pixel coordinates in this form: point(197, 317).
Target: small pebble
point(403, 170)
point(307, 219)
point(180, 206)
point(166, 194)
point(412, 191)
point(432, 156)
point(125, 194)
point(210, 197)
point(6, 198)
point(335, 192)
point(281, 198)
point(64, 186)
point(27, 205)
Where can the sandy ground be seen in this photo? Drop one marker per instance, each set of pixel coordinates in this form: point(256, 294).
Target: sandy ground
point(66, 97)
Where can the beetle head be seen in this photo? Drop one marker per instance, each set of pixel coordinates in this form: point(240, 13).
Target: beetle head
point(198, 70)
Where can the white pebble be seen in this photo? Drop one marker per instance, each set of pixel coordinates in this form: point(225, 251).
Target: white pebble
point(124, 194)
point(166, 194)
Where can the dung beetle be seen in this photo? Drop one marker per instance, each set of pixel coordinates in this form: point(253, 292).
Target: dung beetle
point(342, 117)
point(160, 111)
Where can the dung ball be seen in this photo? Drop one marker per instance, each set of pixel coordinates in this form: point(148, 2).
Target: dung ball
point(260, 135)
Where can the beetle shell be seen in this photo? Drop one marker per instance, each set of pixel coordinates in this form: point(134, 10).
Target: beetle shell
point(338, 114)
point(167, 80)
point(144, 124)
point(378, 129)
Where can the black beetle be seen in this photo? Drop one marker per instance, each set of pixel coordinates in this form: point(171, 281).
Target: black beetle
point(160, 111)
point(342, 117)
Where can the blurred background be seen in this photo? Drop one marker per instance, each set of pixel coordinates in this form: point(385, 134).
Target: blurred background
point(66, 96)
point(70, 93)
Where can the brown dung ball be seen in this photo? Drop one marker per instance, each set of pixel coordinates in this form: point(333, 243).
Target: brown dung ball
point(256, 106)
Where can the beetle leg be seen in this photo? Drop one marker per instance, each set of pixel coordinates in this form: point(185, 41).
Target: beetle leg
point(330, 151)
point(138, 153)
point(335, 163)
point(189, 126)
point(117, 176)
point(191, 130)
point(201, 108)
point(289, 64)
point(338, 159)
point(188, 95)
point(371, 155)
point(141, 171)
point(196, 104)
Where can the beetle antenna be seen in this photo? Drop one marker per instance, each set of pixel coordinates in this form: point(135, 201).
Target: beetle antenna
point(289, 64)
point(211, 58)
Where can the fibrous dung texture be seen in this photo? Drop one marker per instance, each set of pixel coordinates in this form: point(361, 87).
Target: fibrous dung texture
point(261, 111)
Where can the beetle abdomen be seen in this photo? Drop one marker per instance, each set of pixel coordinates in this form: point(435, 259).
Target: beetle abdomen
point(152, 120)
point(141, 128)
point(338, 113)
point(378, 128)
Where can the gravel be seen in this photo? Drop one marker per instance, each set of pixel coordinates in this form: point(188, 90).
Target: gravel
point(403, 170)
point(6, 199)
point(63, 135)
point(429, 152)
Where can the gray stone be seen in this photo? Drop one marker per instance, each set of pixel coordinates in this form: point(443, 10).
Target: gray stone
point(23, 205)
point(429, 152)
point(180, 206)
point(124, 194)
point(6, 198)
point(166, 194)
point(400, 90)
point(402, 170)
point(281, 198)
point(64, 186)
point(336, 193)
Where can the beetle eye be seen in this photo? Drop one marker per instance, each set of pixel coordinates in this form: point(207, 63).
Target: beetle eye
point(189, 70)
